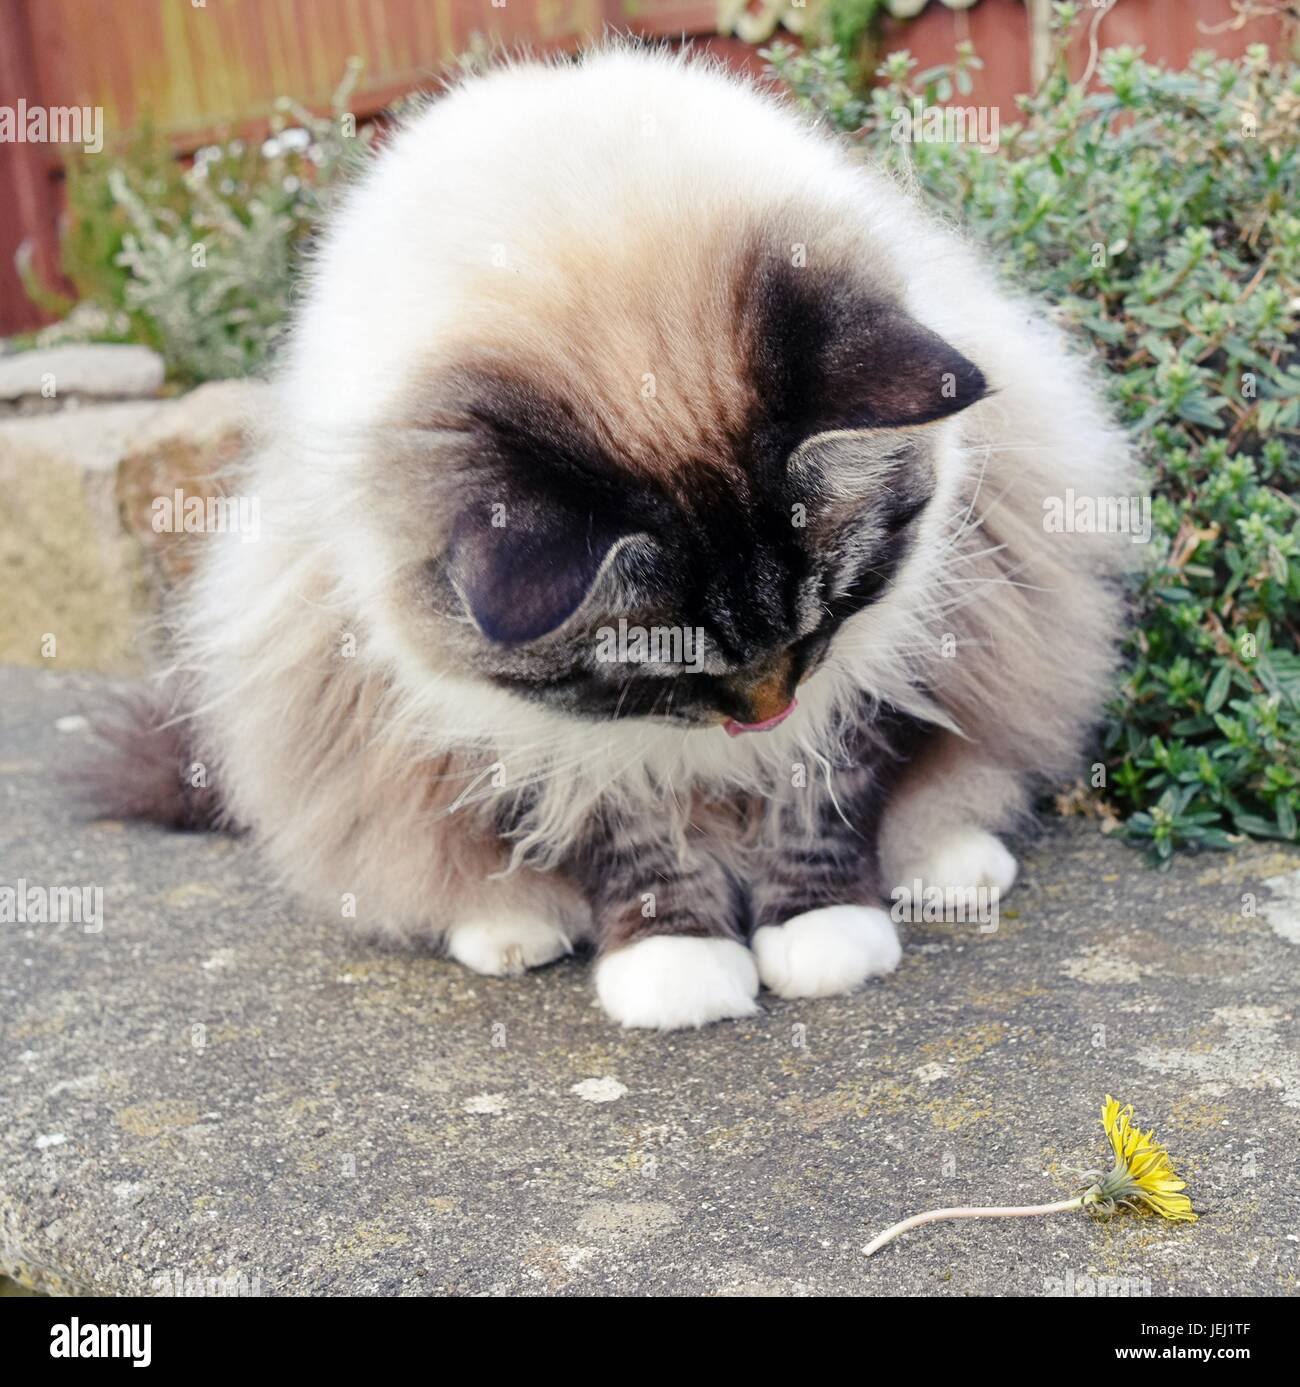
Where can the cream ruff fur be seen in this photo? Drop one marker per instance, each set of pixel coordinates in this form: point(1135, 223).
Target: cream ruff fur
point(367, 771)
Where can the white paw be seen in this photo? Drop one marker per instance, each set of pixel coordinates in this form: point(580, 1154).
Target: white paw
point(826, 951)
point(962, 858)
point(672, 980)
point(504, 946)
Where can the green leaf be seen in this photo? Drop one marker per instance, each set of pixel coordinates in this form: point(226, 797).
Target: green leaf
point(1218, 690)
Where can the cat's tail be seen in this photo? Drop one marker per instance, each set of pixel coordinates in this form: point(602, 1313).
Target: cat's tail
point(143, 762)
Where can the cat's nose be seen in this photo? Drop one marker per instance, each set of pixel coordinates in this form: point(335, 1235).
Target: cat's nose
point(767, 699)
point(734, 728)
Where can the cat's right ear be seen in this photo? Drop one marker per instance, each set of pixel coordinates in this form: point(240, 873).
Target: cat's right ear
point(899, 374)
point(524, 568)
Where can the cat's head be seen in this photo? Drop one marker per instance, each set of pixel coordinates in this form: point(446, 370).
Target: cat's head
point(690, 552)
point(672, 431)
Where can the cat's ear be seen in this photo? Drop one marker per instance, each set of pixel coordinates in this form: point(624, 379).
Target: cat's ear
point(899, 374)
point(524, 568)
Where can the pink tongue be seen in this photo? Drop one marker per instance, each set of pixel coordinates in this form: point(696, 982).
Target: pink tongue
point(734, 728)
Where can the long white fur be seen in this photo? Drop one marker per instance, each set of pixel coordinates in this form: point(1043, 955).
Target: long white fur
point(553, 153)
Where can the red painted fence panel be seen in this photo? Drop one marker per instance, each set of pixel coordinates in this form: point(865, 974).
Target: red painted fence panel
point(197, 67)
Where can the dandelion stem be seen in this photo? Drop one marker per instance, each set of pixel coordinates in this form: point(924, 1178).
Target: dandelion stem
point(936, 1215)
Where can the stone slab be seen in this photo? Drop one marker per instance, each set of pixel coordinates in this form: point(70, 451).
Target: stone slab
point(218, 1085)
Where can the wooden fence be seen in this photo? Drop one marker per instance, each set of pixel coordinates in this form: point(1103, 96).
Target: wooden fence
point(194, 68)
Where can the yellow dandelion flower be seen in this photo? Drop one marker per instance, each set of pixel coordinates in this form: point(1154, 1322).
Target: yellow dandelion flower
point(1142, 1180)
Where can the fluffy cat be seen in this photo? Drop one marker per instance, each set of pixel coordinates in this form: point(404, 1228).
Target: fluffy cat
point(630, 341)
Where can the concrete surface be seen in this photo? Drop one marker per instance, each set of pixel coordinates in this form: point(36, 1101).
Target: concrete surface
point(218, 1086)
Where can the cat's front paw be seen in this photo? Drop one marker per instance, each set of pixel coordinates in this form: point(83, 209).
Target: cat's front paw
point(960, 859)
point(826, 951)
point(671, 981)
point(506, 945)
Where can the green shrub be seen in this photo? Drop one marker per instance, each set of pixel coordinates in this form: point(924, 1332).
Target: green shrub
point(200, 262)
point(1158, 212)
